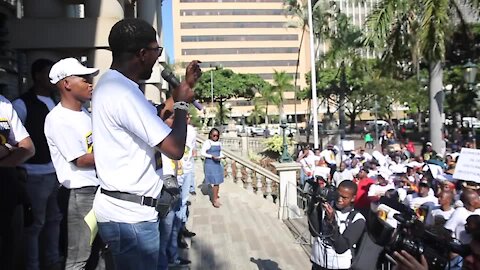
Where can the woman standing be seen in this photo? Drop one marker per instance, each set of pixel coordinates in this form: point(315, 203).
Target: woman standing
point(212, 151)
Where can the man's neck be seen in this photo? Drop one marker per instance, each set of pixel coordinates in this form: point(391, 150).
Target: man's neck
point(446, 207)
point(70, 104)
point(127, 70)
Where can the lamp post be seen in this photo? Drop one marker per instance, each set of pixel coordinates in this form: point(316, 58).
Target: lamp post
point(470, 72)
point(285, 156)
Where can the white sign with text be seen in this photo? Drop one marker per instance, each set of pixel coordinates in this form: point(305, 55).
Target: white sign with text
point(468, 165)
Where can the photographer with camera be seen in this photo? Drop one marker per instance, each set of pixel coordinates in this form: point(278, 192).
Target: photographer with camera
point(341, 230)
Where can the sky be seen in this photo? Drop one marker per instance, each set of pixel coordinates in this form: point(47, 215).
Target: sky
point(168, 28)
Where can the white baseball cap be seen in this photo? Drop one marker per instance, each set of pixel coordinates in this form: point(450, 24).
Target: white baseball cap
point(69, 67)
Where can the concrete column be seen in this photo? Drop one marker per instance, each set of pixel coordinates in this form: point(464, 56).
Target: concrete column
point(288, 207)
point(43, 9)
point(104, 8)
point(101, 59)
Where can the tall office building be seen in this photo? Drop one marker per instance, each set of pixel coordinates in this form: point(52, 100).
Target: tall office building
point(247, 36)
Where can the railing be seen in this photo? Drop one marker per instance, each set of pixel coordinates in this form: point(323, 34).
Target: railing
point(249, 175)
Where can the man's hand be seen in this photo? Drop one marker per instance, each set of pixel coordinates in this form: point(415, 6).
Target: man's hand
point(329, 211)
point(193, 73)
point(405, 261)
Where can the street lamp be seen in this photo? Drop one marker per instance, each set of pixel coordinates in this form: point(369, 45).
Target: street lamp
point(285, 156)
point(470, 72)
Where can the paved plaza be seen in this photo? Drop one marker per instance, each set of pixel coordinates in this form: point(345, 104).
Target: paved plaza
point(244, 233)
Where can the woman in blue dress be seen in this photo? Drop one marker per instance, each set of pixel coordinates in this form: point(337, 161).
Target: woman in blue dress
point(213, 168)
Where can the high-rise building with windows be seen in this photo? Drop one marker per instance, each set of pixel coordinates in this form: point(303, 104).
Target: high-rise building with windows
point(247, 36)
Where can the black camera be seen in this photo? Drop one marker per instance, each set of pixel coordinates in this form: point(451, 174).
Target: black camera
point(316, 223)
point(411, 235)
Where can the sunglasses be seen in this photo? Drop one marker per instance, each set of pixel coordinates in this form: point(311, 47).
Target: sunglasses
point(158, 49)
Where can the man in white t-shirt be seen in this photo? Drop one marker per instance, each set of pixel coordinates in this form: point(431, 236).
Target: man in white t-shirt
point(377, 190)
point(342, 174)
point(457, 221)
point(423, 196)
point(127, 131)
point(42, 185)
point(442, 214)
point(68, 129)
point(15, 147)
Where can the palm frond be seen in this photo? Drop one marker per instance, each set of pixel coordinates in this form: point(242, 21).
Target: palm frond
point(435, 21)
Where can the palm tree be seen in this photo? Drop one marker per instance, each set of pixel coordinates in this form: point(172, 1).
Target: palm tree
point(424, 25)
point(281, 82)
point(257, 114)
point(267, 96)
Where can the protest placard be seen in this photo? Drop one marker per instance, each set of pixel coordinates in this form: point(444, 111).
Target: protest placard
point(468, 165)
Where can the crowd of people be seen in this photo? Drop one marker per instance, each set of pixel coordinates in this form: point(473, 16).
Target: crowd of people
point(126, 167)
point(422, 181)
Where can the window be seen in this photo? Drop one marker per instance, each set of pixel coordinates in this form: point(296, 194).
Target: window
point(238, 38)
point(207, 25)
point(261, 63)
point(230, 12)
point(238, 51)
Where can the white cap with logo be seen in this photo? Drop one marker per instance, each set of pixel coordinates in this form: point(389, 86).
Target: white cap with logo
point(69, 67)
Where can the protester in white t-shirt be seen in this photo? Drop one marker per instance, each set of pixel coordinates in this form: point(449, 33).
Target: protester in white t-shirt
point(322, 170)
point(424, 195)
point(127, 132)
point(442, 214)
point(342, 174)
point(377, 190)
point(16, 146)
point(68, 130)
point(457, 221)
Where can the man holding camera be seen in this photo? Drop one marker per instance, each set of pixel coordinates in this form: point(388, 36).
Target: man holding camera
point(341, 231)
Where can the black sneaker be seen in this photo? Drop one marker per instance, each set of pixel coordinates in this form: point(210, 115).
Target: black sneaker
point(193, 193)
point(179, 262)
point(181, 243)
point(188, 233)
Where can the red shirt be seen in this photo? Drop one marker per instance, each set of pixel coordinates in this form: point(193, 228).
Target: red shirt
point(361, 200)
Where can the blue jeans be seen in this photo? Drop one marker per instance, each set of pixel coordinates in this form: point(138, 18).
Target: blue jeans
point(42, 191)
point(188, 178)
point(169, 228)
point(133, 246)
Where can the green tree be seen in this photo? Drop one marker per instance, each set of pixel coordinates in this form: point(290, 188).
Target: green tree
point(425, 26)
point(282, 82)
point(267, 97)
point(226, 85)
point(257, 114)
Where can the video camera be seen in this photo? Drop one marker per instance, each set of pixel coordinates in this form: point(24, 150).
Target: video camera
point(320, 195)
point(397, 227)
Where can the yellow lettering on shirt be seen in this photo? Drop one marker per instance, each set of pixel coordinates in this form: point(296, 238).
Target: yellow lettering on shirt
point(89, 141)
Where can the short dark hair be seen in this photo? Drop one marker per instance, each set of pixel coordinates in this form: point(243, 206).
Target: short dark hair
point(130, 35)
point(39, 65)
point(211, 131)
point(348, 184)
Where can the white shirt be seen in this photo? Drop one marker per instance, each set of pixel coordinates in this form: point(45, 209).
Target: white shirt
point(457, 222)
point(10, 123)
point(206, 145)
point(69, 136)
point(440, 213)
point(414, 201)
point(379, 190)
point(324, 255)
point(190, 145)
point(21, 110)
point(308, 162)
point(324, 172)
point(339, 176)
point(126, 129)
point(329, 156)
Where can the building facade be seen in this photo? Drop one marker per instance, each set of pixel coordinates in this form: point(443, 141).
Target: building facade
point(247, 36)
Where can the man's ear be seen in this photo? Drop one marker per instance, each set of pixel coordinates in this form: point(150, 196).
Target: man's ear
point(66, 84)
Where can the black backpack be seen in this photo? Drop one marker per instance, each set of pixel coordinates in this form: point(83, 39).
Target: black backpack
point(366, 252)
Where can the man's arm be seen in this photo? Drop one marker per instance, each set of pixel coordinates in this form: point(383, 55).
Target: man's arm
point(85, 161)
point(173, 145)
point(351, 235)
point(18, 154)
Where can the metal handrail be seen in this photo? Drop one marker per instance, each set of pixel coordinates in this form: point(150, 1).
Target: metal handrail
point(247, 163)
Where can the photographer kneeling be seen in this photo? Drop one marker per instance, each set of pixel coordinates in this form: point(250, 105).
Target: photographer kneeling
point(332, 248)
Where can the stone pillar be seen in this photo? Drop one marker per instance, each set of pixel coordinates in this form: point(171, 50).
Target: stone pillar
point(288, 207)
point(101, 58)
point(151, 12)
point(104, 8)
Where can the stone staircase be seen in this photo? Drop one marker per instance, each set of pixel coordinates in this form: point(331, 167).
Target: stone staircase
point(244, 233)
